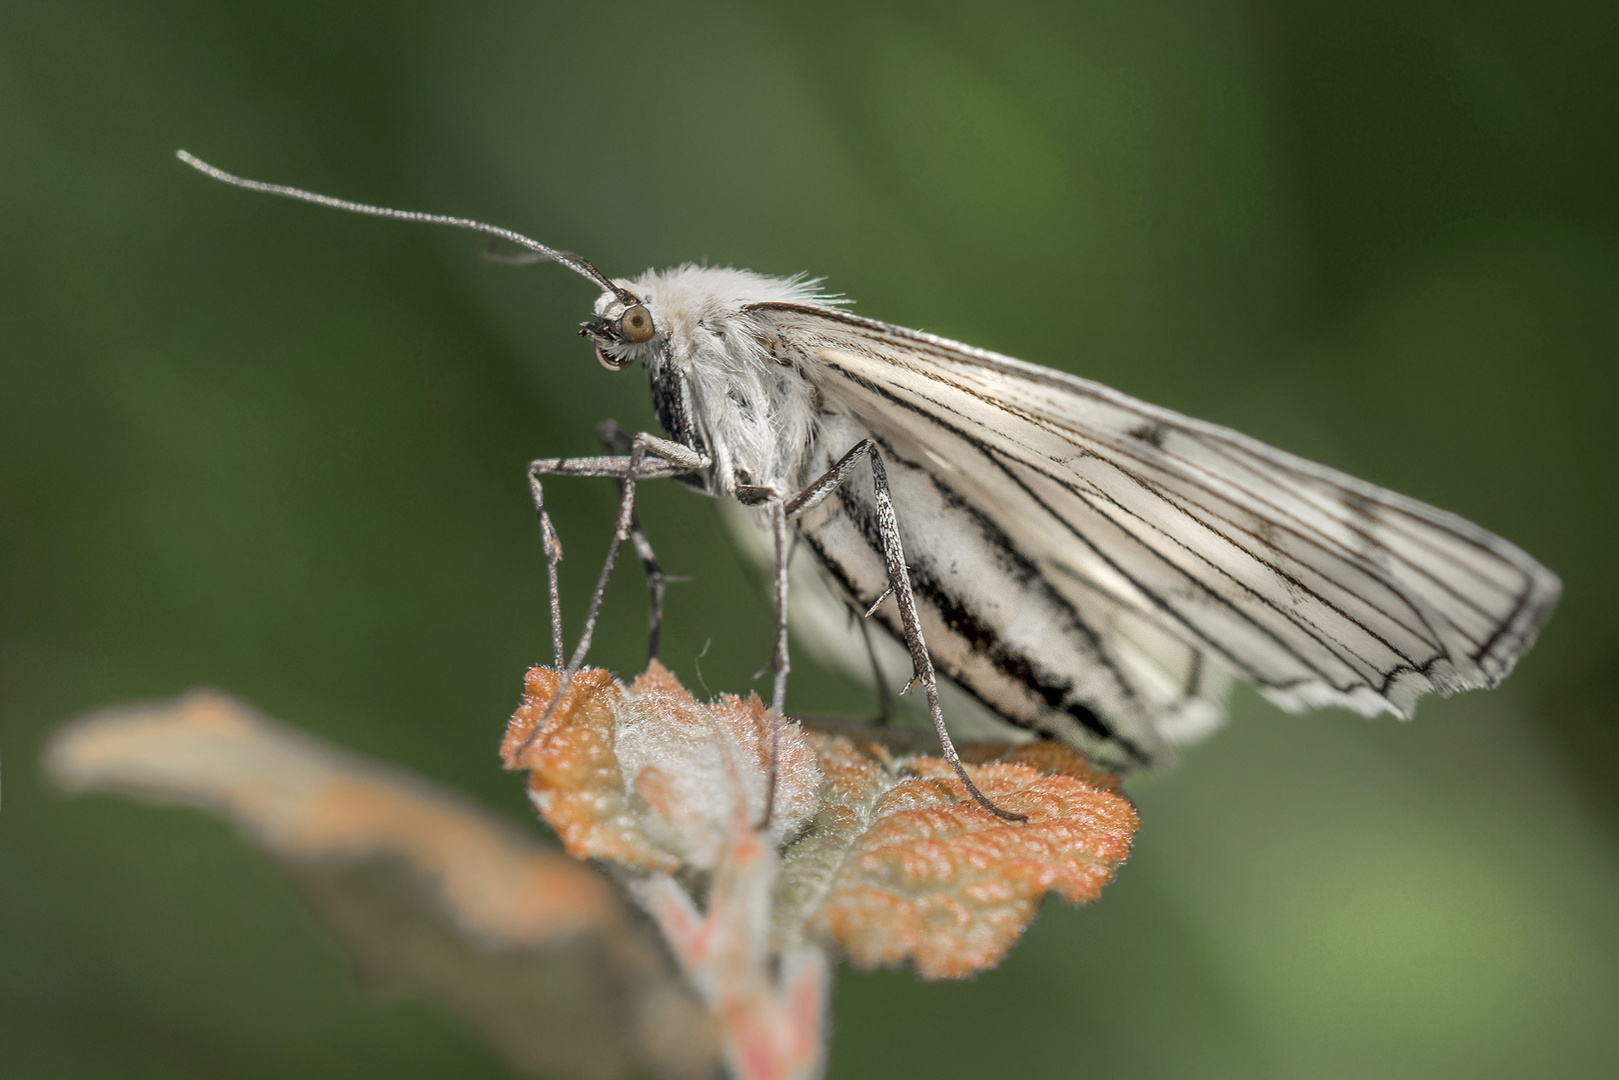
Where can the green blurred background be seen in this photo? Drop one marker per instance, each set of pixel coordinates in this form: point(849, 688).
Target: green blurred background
point(280, 451)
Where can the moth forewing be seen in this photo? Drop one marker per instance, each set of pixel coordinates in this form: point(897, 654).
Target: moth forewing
point(1316, 587)
point(995, 622)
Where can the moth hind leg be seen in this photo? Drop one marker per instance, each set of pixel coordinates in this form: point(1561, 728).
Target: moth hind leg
point(899, 583)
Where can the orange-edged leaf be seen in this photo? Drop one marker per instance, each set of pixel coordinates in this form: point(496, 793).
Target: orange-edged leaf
point(649, 777)
point(574, 775)
point(902, 864)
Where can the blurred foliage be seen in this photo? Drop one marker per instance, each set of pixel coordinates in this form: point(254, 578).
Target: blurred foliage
point(279, 450)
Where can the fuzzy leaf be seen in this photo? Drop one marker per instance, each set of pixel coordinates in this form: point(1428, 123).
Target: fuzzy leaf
point(647, 776)
point(892, 861)
point(902, 864)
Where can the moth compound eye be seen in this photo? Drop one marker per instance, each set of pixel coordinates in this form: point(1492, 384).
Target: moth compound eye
point(636, 325)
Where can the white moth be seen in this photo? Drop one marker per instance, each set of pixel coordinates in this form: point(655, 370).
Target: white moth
point(1087, 566)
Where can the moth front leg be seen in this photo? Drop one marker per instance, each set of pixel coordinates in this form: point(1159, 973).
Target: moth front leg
point(672, 460)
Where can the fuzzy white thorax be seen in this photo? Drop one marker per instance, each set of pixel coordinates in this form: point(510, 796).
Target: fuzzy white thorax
point(754, 409)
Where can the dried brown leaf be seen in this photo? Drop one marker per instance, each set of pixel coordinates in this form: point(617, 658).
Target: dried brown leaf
point(534, 949)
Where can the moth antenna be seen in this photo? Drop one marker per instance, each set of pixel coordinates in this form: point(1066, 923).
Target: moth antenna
point(576, 263)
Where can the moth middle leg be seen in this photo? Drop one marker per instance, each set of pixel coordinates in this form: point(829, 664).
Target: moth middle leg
point(779, 659)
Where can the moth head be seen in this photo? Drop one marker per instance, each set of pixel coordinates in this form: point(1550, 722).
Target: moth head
point(623, 329)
